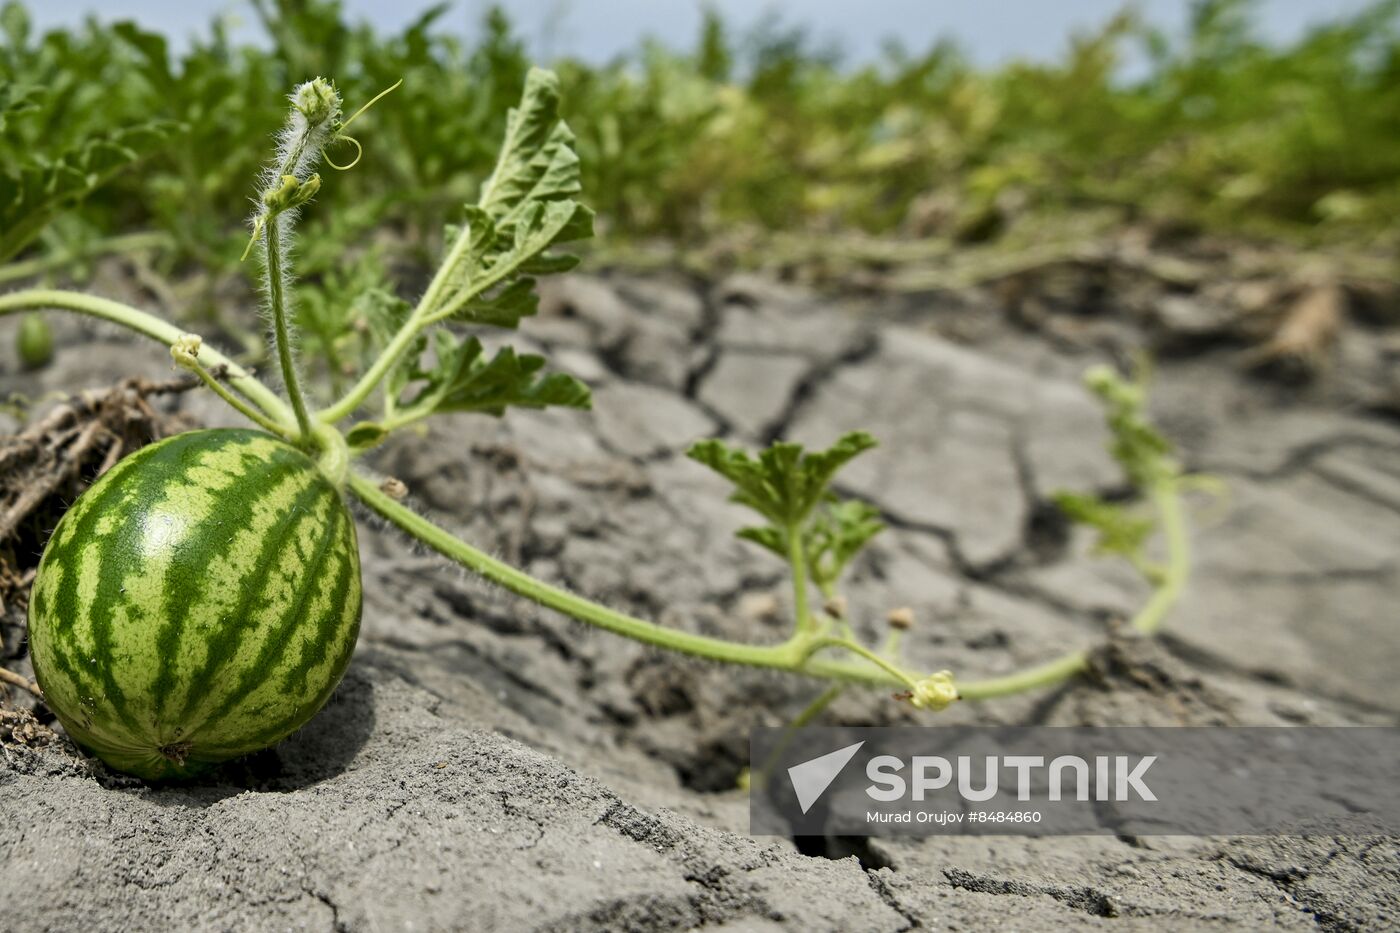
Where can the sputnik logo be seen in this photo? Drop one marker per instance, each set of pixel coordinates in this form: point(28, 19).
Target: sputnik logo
point(811, 778)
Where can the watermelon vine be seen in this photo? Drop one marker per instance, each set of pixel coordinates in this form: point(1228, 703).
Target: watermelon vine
point(202, 599)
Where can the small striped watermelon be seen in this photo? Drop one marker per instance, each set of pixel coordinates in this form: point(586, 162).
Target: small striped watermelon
point(199, 602)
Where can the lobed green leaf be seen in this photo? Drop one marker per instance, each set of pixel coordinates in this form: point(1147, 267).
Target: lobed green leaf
point(837, 531)
point(465, 379)
point(524, 209)
point(783, 483)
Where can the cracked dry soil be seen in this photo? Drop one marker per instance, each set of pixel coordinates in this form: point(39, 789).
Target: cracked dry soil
point(487, 765)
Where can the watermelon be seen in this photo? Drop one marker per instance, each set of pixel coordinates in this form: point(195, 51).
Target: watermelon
point(34, 341)
point(199, 602)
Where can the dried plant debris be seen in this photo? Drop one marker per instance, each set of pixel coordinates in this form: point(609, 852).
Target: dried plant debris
point(43, 469)
point(1306, 333)
point(18, 727)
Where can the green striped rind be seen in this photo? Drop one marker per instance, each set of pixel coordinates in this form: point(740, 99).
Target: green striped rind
point(199, 602)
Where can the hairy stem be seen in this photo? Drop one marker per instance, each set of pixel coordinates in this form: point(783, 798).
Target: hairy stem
point(233, 401)
point(1032, 678)
point(856, 648)
point(524, 585)
point(793, 655)
point(276, 296)
point(1167, 498)
point(798, 559)
point(149, 326)
point(374, 375)
point(796, 654)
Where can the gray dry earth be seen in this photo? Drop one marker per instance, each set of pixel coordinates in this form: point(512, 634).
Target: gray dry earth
point(490, 766)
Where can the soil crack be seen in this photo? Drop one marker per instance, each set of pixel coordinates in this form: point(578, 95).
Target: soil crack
point(1089, 900)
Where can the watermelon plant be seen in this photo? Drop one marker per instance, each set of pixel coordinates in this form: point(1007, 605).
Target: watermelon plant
point(202, 599)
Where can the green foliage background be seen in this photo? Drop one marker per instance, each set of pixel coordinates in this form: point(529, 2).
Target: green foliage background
point(760, 131)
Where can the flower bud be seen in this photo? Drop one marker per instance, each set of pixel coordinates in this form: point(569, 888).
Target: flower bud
point(317, 100)
point(934, 692)
point(291, 193)
point(185, 350)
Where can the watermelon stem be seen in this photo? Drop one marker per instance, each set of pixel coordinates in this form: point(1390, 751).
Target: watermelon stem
point(277, 286)
point(148, 325)
point(288, 184)
point(799, 654)
point(185, 353)
point(334, 454)
point(402, 341)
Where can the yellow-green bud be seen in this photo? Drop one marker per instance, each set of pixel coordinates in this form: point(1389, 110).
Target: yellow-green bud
point(317, 100)
point(934, 692)
point(1105, 382)
point(1099, 377)
point(185, 350)
point(291, 193)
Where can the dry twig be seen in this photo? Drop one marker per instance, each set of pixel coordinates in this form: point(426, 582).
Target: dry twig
point(10, 677)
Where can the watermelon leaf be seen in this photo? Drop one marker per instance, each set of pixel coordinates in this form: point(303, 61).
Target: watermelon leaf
point(783, 483)
point(523, 210)
point(35, 190)
point(791, 488)
point(465, 379)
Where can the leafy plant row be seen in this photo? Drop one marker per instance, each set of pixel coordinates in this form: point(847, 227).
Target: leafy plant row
point(765, 129)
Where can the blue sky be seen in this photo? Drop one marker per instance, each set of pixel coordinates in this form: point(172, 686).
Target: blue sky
point(599, 29)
